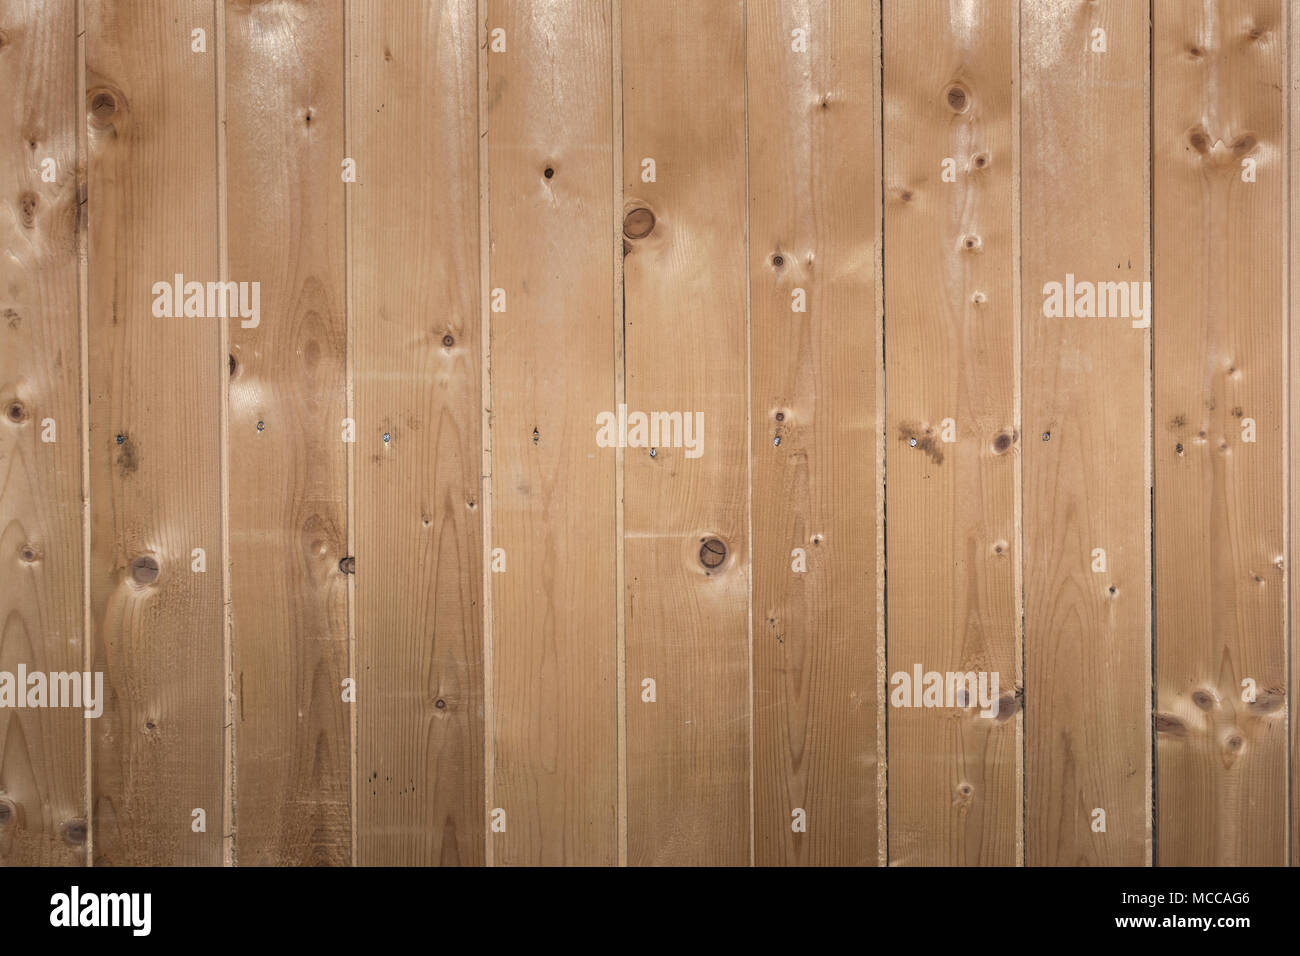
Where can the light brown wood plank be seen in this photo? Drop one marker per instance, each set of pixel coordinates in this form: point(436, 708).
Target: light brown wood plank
point(414, 246)
point(1292, 460)
point(1085, 413)
point(42, 760)
point(157, 384)
point(686, 519)
point(288, 478)
point(1220, 584)
point(951, 441)
point(554, 636)
point(814, 203)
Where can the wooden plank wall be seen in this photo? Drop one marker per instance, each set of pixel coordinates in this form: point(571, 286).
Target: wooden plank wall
point(979, 314)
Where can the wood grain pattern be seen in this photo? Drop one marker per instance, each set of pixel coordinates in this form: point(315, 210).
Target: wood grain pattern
point(1292, 460)
point(42, 763)
point(688, 627)
point(1085, 408)
point(554, 635)
point(500, 582)
point(814, 203)
point(158, 384)
point(288, 477)
point(1220, 587)
point(951, 441)
point(415, 334)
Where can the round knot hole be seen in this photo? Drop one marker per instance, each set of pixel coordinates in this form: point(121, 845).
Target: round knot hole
point(638, 223)
point(103, 107)
point(713, 552)
point(145, 570)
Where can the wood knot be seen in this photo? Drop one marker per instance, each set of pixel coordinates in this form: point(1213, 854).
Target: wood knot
point(981, 160)
point(16, 412)
point(1171, 725)
point(74, 832)
point(1267, 701)
point(1198, 140)
point(1002, 443)
point(27, 204)
point(8, 812)
point(348, 565)
point(1204, 699)
point(958, 98)
point(440, 704)
point(448, 340)
point(638, 223)
point(1008, 704)
point(1245, 144)
point(145, 570)
point(104, 107)
point(713, 552)
point(29, 553)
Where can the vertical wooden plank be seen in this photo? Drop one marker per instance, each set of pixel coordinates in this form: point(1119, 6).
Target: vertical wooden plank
point(686, 510)
point(156, 390)
point(814, 229)
point(951, 439)
point(554, 639)
point(1219, 415)
point(413, 242)
point(42, 763)
point(1292, 461)
point(1086, 408)
point(288, 479)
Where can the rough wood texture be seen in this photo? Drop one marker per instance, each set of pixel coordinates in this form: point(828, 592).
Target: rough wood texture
point(415, 339)
point(42, 762)
point(554, 640)
point(156, 388)
point(952, 447)
point(1220, 585)
point(288, 478)
point(1085, 409)
point(814, 226)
